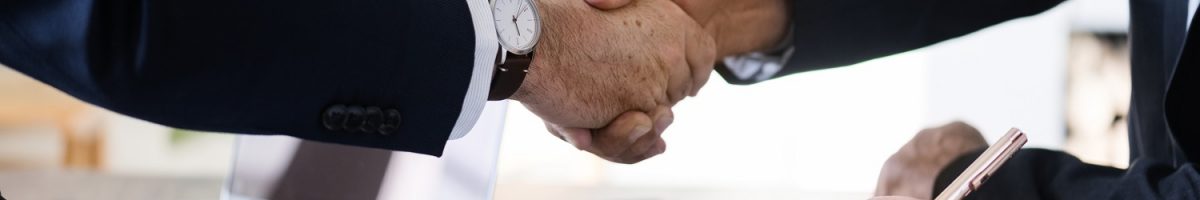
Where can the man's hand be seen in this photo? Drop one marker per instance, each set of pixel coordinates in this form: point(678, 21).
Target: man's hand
point(747, 26)
point(631, 138)
point(912, 170)
point(592, 66)
point(739, 26)
point(642, 60)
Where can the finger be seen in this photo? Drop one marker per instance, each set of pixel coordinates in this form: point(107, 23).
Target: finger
point(971, 136)
point(663, 118)
point(619, 135)
point(660, 147)
point(553, 131)
point(655, 150)
point(608, 4)
point(579, 138)
point(701, 54)
point(888, 178)
point(638, 151)
point(679, 76)
point(645, 147)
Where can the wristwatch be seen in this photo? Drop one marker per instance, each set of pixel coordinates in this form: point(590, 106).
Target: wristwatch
point(518, 27)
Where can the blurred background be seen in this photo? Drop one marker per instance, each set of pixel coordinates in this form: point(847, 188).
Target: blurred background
point(1062, 76)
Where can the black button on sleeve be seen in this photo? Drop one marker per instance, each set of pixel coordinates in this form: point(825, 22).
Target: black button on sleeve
point(391, 122)
point(373, 118)
point(334, 117)
point(355, 116)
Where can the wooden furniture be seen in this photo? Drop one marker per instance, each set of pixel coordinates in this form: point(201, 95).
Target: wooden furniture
point(26, 102)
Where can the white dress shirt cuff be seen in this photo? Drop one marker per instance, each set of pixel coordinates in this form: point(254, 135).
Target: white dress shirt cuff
point(486, 49)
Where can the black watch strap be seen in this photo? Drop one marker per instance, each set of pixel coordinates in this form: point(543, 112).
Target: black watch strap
point(508, 76)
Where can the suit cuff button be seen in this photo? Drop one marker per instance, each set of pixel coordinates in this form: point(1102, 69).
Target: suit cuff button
point(373, 119)
point(334, 117)
point(355, 116)
point(391, 122)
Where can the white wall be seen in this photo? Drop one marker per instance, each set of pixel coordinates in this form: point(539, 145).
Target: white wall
point(1009, 75)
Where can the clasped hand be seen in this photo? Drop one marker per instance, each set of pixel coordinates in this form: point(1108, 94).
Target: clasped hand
point(605, 77)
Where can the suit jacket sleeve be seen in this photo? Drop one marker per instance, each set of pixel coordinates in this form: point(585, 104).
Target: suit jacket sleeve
point(832, 33)
point(254, 67)
point(1046, 174)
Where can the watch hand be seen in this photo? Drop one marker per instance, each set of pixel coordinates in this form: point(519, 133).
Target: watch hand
point(518, 26)
point(523, 8)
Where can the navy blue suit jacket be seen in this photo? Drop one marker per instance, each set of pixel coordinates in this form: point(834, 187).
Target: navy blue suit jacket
point(253, 66)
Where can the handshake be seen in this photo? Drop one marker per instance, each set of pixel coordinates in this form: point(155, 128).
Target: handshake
point(607, 72)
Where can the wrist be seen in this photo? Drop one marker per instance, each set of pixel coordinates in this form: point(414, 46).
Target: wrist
point(525, 90)
point(750, 26)
point(535, 70)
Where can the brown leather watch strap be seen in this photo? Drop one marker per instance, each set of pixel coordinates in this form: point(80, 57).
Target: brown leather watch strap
point(508, 76)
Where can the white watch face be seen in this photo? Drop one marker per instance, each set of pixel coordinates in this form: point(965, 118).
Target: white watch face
point(518, 25)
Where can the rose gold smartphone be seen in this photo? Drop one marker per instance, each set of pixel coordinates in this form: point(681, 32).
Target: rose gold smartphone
point(984, 166)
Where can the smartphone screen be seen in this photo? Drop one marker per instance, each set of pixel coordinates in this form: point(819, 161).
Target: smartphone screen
point(984, 166)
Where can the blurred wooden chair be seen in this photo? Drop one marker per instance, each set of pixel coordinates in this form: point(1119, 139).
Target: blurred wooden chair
point(25, 102)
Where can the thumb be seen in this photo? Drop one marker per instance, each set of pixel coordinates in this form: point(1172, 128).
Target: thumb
point(578, 137)
point(608, 4)
point(701, 55)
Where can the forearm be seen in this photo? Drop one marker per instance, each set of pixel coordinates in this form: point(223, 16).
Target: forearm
point(839, 33)
point(1046, 174)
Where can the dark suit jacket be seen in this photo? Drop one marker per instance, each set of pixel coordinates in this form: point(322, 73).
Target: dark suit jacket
point(1164, 145)
point(253, 66)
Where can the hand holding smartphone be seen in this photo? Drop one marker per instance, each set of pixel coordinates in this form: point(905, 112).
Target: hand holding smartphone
point(983, 167)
